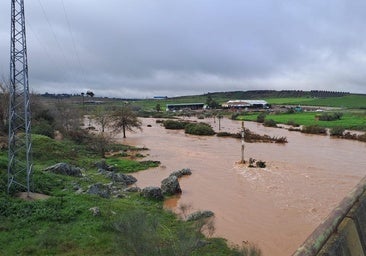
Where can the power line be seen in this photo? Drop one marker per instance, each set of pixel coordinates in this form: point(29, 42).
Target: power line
point(53, 32)
point(73, 40)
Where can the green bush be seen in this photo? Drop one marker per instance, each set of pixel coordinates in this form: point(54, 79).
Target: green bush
point(330, 117)
point(199, 129)
point(314, 129)
point(261, 117)
point(337, 131)
point(43, 127)
point(174, 125)
point(270, 123)
point(292, 123)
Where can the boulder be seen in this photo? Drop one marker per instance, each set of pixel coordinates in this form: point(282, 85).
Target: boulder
point(170, 186)
point(65, 169)
point(100, 190)
point(199, 215)
point(132, 189)
point(102, 165)
point(181, 173)
point(122, 178)
point(152, 193)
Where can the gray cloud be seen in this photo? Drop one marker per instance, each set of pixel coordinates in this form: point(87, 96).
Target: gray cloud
point(143, 48)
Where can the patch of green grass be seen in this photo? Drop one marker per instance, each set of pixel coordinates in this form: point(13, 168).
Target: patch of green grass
point(49, 151)
point(349, 101)
point(127, 165)
point(352, 121)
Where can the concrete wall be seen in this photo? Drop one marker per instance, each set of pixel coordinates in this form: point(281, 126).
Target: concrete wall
point(343, 233)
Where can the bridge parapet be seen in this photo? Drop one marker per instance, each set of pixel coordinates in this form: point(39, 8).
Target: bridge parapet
point(343, 232)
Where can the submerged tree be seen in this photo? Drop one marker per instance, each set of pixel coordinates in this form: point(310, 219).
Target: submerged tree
point(126, 119)
point(103, 118)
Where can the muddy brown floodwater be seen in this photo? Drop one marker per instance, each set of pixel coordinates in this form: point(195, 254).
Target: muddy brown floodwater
point(275, 208)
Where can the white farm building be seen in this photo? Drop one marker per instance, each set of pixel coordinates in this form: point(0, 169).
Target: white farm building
point(246, 104)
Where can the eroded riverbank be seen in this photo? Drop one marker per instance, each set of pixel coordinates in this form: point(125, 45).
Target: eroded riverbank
point(276, 207)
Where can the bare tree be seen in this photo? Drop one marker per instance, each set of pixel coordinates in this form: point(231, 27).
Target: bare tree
point(101, 142)
point(125, 119)
point(103, 118)
point(68, 118)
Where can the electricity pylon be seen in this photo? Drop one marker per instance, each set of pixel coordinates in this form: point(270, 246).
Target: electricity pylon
point(20, 146)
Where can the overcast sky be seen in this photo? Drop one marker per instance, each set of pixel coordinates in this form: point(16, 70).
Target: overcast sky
point(145, 48)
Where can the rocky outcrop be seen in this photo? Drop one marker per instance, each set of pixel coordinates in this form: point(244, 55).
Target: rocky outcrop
point(65, 169)
point(152, 193)
point(121, 178)
point(170, 186)
point(100, 190)
point(181, 173)
point(132, 189)
point(111, 173)
point(199, 215)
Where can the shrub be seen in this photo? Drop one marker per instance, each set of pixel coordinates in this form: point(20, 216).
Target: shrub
point(137, 233)
point(270, 123)
point(337, 131)
point(362, 137)
point(174, 125)
point(234, 116)
point(43, 127)
point(280, 139)
point(292, 123)
point(224, 134)
point(199, 129)
point(330, 117)
point(314, 129)
point(261, 117)
point(260, 164)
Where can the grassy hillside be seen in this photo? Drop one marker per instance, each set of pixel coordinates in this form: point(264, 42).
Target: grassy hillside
point(351, 101)
point(64, 225)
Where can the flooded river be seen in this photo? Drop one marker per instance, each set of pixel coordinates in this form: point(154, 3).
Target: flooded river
point(277, 207)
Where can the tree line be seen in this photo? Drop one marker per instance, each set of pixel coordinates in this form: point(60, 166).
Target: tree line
point(94, 125)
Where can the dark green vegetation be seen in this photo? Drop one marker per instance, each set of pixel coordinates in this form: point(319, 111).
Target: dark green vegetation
point(174, 124)
point(189, 127)
point(63, 224)
point(199, 129)
point(314, 129)
point(127, 165)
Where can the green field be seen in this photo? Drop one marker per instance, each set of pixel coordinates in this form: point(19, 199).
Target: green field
point(349, 120)
point(349, 101)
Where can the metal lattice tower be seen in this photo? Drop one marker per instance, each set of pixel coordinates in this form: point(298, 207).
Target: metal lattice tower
point(20, 147)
